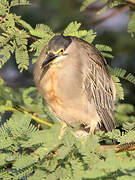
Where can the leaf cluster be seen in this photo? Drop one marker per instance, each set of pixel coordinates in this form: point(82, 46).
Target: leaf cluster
point(14, 40)
point(33, 152)
point(26, 151)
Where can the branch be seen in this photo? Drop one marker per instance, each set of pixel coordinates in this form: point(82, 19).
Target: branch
point(120, 148)
point(125, 147)
point(32, 116)
point(18, 30)
point(115, 12)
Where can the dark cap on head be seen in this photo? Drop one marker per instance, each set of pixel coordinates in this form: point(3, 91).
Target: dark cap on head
point(59, 41)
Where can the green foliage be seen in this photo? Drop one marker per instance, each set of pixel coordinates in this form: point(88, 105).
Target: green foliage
point(21, 52)
point(119, 89)
point(44, 33)
point(73, 30)
point(107, 4)
point(131, 24)
point(90, 36)
point(30, 152)
point(124, 116)
point(19, 2)
point(27, 151)
point(122, 73)
point(104, 50)
point(85, 4)
point(13, 40)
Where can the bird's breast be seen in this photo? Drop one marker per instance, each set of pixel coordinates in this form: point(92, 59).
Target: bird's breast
point(61, 86)
point(50, 87)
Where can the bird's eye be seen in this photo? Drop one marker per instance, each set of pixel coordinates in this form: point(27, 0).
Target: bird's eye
point(61, 51)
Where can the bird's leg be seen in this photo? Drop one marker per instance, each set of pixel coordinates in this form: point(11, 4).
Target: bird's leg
point(83, 131)
point(62, 131)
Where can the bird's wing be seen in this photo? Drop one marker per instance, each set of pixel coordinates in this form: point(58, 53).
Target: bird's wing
point(99, 83)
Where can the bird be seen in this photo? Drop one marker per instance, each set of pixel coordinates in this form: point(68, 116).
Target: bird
point(73, 78)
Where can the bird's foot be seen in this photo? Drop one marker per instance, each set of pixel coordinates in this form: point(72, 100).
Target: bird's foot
point(81, 133)
point(63, 128)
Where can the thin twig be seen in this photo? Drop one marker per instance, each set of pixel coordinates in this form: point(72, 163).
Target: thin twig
point(115, 12)
point(18, 30)
point(32, 116)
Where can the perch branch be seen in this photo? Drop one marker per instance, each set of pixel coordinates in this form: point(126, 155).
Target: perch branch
point(32, 116)
point(120, 148)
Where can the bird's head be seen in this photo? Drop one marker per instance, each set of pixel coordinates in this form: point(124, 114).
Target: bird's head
point(56, 49)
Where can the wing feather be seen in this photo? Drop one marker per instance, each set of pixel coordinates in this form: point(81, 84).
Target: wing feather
point(102, 88)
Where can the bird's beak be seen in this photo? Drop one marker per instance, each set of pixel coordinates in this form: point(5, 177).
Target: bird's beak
point(49, 58)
